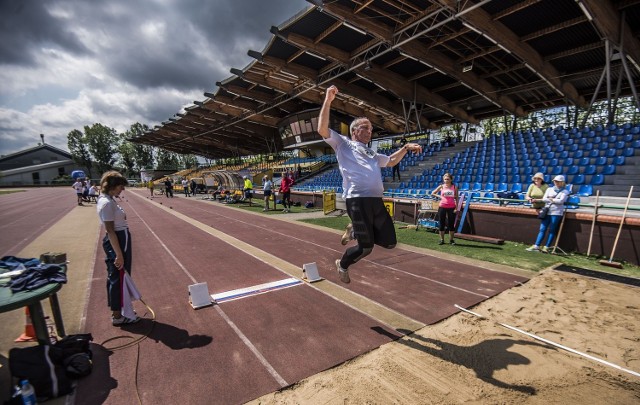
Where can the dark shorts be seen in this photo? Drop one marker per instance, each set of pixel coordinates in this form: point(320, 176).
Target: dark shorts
point(372, 223)
point(248, 193)
point(267, 193)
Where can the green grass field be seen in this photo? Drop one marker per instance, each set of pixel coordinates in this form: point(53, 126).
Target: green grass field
point(510, 254)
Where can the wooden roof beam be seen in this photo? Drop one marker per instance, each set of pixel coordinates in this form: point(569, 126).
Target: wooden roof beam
point(609, 23)
point(433, 58)
point(485, 23)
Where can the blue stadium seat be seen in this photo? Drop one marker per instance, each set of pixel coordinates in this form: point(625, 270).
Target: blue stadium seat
point(585, 190)
point(516, 178)
point(487, 195)
point(578, 154)
point(476, 187)
point(556, 170)
point(464, 186)
point(597, 180)
point(590, 169)
point(587, 146)
point(600, 161)
point(488, 187)
point(573, 170)
point(567, 162)
point(608, 169)
point(502, 187)
point(618, 160)
point(628, 152)
point(572, 202)
point(583, 161)
point(516, 188)
point(578, 179)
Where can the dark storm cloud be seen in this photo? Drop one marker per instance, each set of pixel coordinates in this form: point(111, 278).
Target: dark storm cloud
point(28, 25)
point(236, 23)
point(203, 40)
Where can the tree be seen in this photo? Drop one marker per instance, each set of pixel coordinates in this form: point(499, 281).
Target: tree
point(167, 160)
point(188, 161)
point(143, 154)
point(77, 144)
point(127, 157)
point(103, 144)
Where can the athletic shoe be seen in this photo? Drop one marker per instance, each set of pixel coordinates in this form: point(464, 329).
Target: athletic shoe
point(544, 249)
point(124, 320)
point(342, 273)
point(533, 248)
point(452, 242)
point(441, 242)
point(348, 234)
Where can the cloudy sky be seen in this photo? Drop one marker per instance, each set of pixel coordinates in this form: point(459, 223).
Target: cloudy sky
point(65, 64)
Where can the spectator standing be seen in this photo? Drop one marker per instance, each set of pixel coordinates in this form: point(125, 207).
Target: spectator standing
point(150, 186)
point(267, 187)
point(78, 187)
point(248, 189)
point(185, 187)
point(116, 243)
point(194, 187)
point(93, 193)
point(396, 168)
point(554, 198)
point(285, 191)
point(168, 188)
point(362, 185)
point(536, 191)
point(448, 194)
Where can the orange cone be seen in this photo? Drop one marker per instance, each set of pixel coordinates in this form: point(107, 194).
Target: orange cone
point(29, 334)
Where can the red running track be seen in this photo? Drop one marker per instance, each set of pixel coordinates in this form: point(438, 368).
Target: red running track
point(230, 353)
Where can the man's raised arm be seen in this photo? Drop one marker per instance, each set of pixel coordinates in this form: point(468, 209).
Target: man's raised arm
point(323, 119)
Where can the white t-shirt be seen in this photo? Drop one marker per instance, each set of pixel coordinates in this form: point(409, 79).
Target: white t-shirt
point(109, 210)
point(359, 166)
point(78, 187)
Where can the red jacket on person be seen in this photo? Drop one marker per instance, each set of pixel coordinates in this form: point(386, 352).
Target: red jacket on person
point(285, 184)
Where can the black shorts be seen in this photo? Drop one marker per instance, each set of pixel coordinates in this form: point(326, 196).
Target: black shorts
point(267, 193)
point(372, 223)
point(248, 193)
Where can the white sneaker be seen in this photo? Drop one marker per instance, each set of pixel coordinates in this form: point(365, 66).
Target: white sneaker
point(544, 249)
point(533, 248)
point(342, 273)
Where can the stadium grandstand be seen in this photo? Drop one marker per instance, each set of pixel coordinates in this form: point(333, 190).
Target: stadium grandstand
point(419, 69)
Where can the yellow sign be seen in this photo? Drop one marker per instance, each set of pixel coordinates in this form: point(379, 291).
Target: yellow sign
point(328, 201)
point(389, 206)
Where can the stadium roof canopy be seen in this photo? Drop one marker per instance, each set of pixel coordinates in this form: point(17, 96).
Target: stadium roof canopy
point(415, 65)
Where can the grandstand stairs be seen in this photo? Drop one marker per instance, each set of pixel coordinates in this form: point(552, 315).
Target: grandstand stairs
point(427, 164)
point(626, 176)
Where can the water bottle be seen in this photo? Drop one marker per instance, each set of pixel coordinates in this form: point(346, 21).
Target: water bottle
point(28, 393)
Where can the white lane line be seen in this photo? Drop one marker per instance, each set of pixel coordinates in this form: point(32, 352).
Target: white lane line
point(233, 326)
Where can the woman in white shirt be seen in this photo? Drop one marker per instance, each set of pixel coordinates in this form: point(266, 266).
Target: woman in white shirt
point(116, 243)
point(554, 198)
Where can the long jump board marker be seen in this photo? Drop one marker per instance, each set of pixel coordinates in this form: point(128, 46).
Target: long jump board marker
point(199, 295)
point(310, 270)
point(255, 290)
